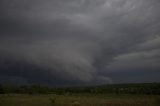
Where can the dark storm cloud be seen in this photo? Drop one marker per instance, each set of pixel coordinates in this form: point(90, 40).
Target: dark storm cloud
point(71, 42)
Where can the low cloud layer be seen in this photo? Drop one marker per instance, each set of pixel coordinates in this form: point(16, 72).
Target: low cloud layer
point(79, 42)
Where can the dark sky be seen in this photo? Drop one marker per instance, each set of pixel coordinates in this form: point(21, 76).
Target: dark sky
point(79, 42)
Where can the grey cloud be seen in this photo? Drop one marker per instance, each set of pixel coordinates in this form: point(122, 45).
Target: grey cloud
point(137, 61)
point(79, 41)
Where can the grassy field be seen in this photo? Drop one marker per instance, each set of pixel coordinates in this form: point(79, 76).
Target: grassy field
point(79, 100)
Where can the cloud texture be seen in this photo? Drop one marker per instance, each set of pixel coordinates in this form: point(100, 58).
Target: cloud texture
point(79, 42)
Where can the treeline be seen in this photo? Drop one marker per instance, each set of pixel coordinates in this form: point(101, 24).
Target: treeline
point(143, 88)
point(33, 89)
point(147, 88)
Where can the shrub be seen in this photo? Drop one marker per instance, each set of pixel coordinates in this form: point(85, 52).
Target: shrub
point(53, 101)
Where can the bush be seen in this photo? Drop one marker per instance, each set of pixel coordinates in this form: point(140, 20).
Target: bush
point(53, 101)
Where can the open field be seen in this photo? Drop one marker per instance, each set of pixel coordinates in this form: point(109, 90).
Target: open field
point(79, 100)
point(106, 95)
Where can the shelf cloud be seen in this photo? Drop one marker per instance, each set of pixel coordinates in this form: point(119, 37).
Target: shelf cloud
point(79, 42)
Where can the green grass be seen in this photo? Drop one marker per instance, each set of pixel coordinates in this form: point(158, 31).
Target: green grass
point(79, 100)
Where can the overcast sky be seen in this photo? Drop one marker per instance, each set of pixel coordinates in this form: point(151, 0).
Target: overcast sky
point(79, 42)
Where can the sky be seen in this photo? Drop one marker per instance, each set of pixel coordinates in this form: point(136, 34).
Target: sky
point(79, 42)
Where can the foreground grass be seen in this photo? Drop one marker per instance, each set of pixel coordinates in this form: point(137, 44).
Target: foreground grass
point(79, 100)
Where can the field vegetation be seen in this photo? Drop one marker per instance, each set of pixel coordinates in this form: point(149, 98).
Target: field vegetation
point(107, 95)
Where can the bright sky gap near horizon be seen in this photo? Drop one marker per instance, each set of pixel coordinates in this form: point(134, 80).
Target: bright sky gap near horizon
point(79, 42)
